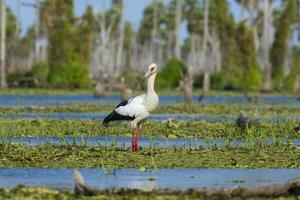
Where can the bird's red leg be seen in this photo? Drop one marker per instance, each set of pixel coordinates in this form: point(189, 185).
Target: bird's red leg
point(136, 138)
point(132, 139)
point(134, 143)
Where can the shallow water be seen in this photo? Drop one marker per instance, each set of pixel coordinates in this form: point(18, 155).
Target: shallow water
point(46, 100)
point(154, 117)
point(162, 178)
point(125, 142)
point(101, 116)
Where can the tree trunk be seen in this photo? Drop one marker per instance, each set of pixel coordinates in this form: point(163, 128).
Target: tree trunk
point(154, 30)
point(297, 84)
point(267, 86)
point(177, 28)
point(3, 83)
point(37, 32)
point(121, 40)
point(204, 62)
point(99, 90)
point(186, 84)
point(206, 82)
point(126, 93)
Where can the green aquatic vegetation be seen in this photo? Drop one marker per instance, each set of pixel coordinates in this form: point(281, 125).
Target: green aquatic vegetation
point(232, 109)
point(225, 109)
point(48, 156)
point(167, 129)
point(31, 193)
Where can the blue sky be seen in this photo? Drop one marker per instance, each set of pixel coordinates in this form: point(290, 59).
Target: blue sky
point(134, 11)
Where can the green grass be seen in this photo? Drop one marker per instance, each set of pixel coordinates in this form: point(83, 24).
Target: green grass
point(168, 129)
point(49, 156)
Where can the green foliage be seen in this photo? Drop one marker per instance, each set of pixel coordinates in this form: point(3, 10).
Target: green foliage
point(223, 23)
point(146, 24)
point(170, 75)
point(128, 35)
point(289, 81)
point(280, 46)
point(69, 45)
point(40, 73)
point(11, 24)
point(217, 81)
point(193, 13)
point(36, 77)
point(251, 76)
point(13, 78)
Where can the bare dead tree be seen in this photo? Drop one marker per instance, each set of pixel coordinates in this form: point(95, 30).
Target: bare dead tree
point(177, 28)
point(206, 79)
point(37, 31)
point(103, 66)
point(214, 56)
point(121, 39)
point(18, 18)
point(296, 84)
point(266, 44)
point(252, 6)
point(186, 84)
point(104, 42)
point(3, 83)
point(154, 28)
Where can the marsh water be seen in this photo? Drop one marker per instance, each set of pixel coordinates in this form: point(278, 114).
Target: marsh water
point(134, 178)
point(149, 179)
point(125, 142)
point(101, 116)
point(45, 100)
point(154, 117)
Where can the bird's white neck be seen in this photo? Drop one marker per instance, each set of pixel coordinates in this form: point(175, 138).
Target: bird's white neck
point(150, 84)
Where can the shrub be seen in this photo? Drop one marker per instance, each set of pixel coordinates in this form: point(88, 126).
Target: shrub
point(40, 73)
point(218, 81)
point(170, 75)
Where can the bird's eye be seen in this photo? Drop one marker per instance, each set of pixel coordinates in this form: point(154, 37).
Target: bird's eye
point(152, 69)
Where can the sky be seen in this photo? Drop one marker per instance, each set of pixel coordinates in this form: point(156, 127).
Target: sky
point(133, 12)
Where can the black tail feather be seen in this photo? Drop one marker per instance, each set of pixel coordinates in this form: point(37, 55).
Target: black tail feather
point(114, 116)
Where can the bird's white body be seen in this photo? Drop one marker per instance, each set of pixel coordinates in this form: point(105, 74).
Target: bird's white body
point(140, 106)
point(137, 109)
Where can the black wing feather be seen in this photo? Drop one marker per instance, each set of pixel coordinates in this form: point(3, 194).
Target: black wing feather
point(114, 116)
point(123, 103)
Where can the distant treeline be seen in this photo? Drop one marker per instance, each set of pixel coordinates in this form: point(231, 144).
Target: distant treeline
point(261, 51)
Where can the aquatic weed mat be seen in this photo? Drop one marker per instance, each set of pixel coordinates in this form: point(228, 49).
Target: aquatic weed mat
point(231, 108)
point(168, 129)
point(49, 156)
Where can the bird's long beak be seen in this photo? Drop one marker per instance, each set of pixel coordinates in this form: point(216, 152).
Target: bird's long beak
point(146, 76)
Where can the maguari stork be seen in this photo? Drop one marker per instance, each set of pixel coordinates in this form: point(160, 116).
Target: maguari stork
point(136, 109)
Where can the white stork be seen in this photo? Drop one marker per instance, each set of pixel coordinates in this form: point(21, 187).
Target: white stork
point(136, 109)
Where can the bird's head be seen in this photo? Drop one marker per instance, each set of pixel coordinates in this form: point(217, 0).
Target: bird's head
point(152, 69)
